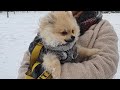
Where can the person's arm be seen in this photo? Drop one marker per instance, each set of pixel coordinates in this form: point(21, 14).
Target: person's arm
point(100, 66)
point(24, 66)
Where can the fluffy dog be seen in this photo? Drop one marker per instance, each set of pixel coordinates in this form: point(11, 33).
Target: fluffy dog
point(59, 31)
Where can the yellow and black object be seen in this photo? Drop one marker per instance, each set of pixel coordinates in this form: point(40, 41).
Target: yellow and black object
point(38, 72)
point(35, 70)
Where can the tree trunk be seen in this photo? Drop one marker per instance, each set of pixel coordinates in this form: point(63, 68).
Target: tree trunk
point(7, 14)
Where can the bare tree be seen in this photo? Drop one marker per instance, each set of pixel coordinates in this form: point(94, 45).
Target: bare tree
point(7, 14)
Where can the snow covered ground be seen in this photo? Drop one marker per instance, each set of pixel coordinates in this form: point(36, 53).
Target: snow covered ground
point(17, 31)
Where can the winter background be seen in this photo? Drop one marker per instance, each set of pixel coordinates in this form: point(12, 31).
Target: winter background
point(19, 29)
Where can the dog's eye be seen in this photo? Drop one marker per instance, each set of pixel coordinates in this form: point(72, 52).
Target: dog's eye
point(72, 31)
point(64, 33)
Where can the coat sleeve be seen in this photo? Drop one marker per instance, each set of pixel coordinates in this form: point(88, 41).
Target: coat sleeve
point(24, 65)
point(100, 66)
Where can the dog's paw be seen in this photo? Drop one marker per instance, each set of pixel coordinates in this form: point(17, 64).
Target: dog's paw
point(93, 51)
point(52, 64)
point(56, 73)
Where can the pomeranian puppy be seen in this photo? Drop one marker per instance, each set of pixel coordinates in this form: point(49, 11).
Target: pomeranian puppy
point(59, 32)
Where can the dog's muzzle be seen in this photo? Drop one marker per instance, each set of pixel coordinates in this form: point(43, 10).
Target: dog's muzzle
point(70, 40)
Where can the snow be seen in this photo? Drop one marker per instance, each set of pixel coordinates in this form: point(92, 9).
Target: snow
point(16, 33)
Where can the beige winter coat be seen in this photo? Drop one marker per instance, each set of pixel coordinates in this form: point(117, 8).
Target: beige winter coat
point(101, 66)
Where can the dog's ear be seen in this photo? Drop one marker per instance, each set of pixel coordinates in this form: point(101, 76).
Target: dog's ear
point(69, 13)
point(51, 18)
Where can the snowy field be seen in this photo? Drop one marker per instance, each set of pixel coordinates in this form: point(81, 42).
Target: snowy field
point(17, 31)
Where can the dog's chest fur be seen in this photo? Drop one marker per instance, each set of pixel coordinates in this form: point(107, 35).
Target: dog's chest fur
point(64, 56)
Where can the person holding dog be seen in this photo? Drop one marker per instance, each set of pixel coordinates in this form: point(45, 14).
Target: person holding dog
point(94, 33)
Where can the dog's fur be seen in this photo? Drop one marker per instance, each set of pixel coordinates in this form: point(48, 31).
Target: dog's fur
point(56, 29)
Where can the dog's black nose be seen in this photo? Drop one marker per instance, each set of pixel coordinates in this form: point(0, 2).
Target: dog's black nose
point(73, 37)
point(71, 40)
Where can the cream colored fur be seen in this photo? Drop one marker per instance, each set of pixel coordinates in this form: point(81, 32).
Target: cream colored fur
point(50, 30)
point(52, 64)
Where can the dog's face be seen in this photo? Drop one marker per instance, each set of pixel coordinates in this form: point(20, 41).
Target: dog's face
point(59, 28)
